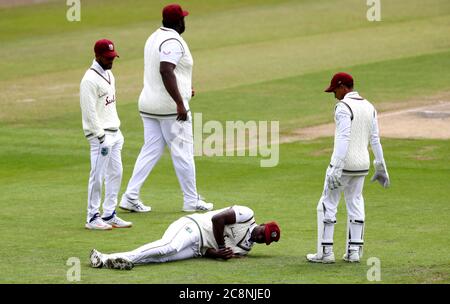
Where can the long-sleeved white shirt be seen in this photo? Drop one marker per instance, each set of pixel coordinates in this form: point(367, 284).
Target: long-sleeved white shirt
point(355, 159)
point(98, 101)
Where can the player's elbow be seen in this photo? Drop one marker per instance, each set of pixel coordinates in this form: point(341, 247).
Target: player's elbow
point(374, 141)
point(166, 69)
point(163, 71)
point(216, 219)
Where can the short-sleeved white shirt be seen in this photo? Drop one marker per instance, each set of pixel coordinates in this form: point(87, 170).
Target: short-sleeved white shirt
point(243, 214)
point(171, 51)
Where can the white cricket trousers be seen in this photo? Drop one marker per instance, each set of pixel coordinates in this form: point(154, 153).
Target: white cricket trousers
point(108, 169)
point(180, 241)
point(177, 135)
point(352, 187)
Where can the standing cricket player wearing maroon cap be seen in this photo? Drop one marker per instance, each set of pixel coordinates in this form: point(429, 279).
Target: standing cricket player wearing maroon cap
point(220, 234)
point(101, 127)
point(164, 107)
point(356, 127)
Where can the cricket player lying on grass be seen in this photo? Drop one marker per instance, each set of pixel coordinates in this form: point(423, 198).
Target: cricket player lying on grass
point(220, 234)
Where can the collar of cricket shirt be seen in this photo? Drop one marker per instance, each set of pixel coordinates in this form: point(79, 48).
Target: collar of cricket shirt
point(352, 95)
point(168, 30)
point(99, 69)
point(250, 233)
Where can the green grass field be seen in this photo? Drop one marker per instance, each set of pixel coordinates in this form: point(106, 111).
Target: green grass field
point(254, 60)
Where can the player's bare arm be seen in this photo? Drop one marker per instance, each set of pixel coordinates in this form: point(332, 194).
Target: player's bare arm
point(169, 79)
point(219, 221)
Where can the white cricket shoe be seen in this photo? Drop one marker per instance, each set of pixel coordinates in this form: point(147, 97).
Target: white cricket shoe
point(117, 222)
point(118, 263)
point(324, 259)
point(352, 256)
point(133, 205)
point(96, 259)
point(98, 224)
point(200, 206)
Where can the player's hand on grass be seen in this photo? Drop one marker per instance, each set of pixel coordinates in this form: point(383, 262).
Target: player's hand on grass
point(223, 253)
point(381, 175)
point(182, 113)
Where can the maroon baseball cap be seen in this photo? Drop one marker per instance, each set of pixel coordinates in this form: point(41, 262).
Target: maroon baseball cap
point(338, 79)
point(105, 48)
point(173, 13)
point(271, 232)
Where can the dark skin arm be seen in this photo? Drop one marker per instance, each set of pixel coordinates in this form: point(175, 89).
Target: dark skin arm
point(219, 221)
point(166, 69)
point(224, 253)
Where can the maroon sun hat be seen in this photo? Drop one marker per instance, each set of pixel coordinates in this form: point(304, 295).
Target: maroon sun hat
point(173, 13)
point(105, 48)
point(271, 232)
point(338, 79)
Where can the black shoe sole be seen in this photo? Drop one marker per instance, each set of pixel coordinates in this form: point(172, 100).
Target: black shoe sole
point(119, 263)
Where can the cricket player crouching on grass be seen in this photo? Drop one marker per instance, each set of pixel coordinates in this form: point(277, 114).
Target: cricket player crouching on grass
point(223, 234)
point(101, 127)
point(356, 126)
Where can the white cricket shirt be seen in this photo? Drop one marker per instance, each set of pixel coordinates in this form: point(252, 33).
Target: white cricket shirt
point(167, 45)
point(237, 236)
point(356, 126)
point(98, 101)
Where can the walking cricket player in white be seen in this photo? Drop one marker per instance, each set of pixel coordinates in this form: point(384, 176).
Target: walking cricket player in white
point(101, 127)
point(356, 127)
point(220, 234)
point(164, 107)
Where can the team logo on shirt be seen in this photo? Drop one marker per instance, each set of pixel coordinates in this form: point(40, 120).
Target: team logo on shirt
point(108, 101)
